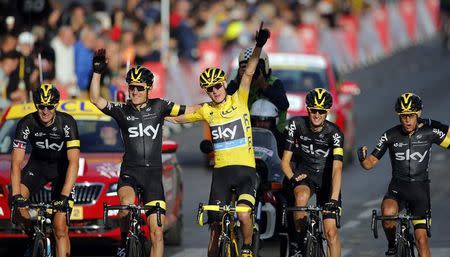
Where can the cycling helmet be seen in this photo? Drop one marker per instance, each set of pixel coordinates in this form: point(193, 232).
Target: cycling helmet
point(46, 94)
point(211, 77)
point(264, 110)
point(245, 54)
point(140, 74)
point(408, 103)
point(319, 98)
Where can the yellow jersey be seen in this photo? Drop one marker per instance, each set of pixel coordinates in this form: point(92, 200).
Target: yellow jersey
point(231, 130)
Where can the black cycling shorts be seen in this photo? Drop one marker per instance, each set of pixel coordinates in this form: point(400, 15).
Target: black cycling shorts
point(36, 174)
point(148, 179)
point(241, 178)
point(413, 195)
point(322, 192)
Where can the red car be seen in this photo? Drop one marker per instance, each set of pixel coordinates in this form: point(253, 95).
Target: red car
point(303, 72)
point(101, 156)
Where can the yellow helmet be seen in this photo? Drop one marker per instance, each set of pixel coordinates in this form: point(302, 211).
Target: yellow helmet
point(46, 94)
point(319, 98)
point(408, 103)
point(211, 77)
point(140, 74)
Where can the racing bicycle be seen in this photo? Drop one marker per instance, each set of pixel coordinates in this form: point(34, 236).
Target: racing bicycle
point(404, 240)
point(137, 245)
point(228, 238)
point(43, 242)
point(314, 233)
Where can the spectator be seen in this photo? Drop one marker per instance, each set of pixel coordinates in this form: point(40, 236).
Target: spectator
point(8, 43)
point(27, 74)
point(84, 48)
point(8, 64)
point(63, 45)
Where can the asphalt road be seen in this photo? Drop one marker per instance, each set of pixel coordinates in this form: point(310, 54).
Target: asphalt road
point(424, 70)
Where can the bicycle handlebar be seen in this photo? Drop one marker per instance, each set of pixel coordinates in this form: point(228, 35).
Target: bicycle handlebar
point(399, 217)
point(47, 208)
point(217, 208)
point(310, 208)
point(133, 208)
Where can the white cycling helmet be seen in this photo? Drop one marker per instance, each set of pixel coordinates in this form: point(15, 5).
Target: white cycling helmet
point(263, 109)
point(245, 54)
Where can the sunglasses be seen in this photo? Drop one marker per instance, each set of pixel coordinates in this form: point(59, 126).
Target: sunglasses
point(139, 88)
point(211, 88)
point(321, 112)
point(43, 106)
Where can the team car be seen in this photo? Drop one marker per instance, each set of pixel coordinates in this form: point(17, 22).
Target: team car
point(98, 174)
point(303, 72)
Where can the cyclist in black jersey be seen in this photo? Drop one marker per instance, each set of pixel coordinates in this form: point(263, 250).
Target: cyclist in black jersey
point(141, 122)
point(55, 150)
point(409, 147)
point(319, 166)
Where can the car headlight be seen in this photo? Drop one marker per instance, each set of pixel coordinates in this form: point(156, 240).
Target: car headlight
point(331, 117)
point(112, 190)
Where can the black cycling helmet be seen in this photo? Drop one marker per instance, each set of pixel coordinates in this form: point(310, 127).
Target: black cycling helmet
point(319, 98)
point(211, 77)
point(140, 74)
point(408, 103)
point(46, 94)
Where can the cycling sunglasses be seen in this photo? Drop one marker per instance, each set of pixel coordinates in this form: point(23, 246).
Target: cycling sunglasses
point(43, 106)
point(216, 86)
point(139, 88)
point(321, 112)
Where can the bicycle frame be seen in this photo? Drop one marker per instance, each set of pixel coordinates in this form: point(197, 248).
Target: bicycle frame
point(42, 228)
point(227, 234)
point(314, 231)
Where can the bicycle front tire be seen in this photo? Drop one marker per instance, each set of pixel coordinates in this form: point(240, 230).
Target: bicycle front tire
point(402, 249)
point(228, 249)
point(313, 248)
point(39, 247)
point(133, 248)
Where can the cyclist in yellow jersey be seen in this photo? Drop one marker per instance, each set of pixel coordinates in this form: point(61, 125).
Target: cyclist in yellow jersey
point(229, 120)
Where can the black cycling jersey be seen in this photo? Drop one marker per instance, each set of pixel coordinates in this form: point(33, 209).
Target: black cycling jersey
point(410, 155)
point(142, 130)
point(317, 150)
point(48, 144)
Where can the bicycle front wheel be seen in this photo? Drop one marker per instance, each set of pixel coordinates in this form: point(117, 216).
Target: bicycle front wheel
point(228, 249)
point(402, 249)
point(133, 248)
point(39, 247)
point(312, 248)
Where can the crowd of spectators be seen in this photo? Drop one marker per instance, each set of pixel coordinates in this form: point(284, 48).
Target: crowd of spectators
point(61, 37)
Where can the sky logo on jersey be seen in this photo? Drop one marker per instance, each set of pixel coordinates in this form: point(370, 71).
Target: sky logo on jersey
point(438, 132)
point(336, 139)
point(316, 152)
point(406, 156)
point(140, 131)
point(228, 135)
point(383, 139)
point(46, 145)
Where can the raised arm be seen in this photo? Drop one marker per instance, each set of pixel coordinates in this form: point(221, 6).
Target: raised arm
point(261, 38)
point(367, 162)
point(99, 65)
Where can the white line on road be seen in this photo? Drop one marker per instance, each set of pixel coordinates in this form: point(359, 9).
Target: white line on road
point(373, 202)
point(345, 252)
point(365, 214)
point(351, 224)
point(192, 252)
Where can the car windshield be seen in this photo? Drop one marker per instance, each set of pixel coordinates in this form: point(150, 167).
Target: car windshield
point(95, 136)
point(301, 80)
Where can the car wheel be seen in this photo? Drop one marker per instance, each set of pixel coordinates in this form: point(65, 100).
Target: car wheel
point(173, 236)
